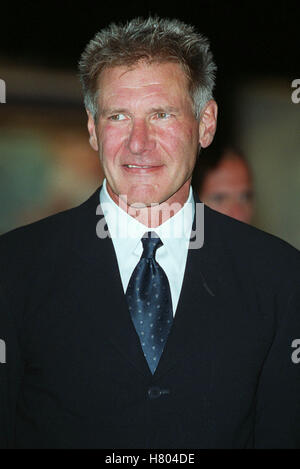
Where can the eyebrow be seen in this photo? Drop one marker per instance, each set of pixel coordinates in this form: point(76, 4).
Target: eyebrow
point(105, 112)
point(165, 109)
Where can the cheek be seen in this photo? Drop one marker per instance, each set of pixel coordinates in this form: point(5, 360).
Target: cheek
point(180, 143)
point(111, 140)
point(178, 134)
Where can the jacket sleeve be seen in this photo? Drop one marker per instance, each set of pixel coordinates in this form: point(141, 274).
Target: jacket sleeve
point(11, 372)
point(278, 395)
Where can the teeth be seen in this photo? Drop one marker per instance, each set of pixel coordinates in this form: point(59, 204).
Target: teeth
point(134, 166)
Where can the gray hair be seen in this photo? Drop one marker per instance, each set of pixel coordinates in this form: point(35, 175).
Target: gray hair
point(153, 40)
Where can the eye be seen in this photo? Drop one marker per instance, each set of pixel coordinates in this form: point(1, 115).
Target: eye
point(163, 115)
point(117, 117)
point(217, 198)
point(246, 197)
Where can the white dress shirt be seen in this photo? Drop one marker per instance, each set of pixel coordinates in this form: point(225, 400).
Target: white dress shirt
point(126, 233)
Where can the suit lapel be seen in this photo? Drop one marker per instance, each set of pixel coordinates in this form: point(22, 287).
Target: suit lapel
point(210, 298)
point(104, 288)
point(193, 326)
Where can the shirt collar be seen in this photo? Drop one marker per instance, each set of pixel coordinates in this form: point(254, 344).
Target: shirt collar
point(126, 232)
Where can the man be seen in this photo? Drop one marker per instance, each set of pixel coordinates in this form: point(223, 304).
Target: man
point(132, 340)
point(226, 184)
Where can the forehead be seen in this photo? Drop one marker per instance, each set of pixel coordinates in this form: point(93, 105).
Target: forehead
point(143, 80)
point(230, 174)
point(233, 168)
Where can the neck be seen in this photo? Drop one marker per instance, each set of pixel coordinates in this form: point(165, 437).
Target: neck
point(156, 214)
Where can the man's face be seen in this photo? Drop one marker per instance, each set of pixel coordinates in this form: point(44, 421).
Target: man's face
point(228, 189)
point(146, 134)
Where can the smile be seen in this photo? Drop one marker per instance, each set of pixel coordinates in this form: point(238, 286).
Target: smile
point(141, 169)
point(136, 166)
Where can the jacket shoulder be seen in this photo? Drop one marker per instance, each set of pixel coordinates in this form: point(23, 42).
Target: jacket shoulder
point(267, 256)
point(242, 235)
point(52, 230)
point(35, 234)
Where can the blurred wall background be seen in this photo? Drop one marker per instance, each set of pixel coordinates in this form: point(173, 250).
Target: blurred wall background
point(268, 129)
point(46, 164)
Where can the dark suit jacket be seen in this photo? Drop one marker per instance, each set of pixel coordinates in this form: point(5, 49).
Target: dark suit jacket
point(75, 375)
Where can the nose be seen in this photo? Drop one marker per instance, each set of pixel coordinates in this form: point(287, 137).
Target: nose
point(141, 138)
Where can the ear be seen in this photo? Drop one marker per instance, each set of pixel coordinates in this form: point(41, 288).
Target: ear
point(92, 131)
point(208, 123)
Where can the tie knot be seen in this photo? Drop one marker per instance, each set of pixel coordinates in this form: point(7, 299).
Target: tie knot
point(151, 242)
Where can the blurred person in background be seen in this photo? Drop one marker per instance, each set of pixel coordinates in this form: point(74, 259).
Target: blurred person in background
point(224, 182)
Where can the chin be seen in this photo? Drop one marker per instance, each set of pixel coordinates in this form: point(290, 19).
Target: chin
point(143, 196)
point(141, 202)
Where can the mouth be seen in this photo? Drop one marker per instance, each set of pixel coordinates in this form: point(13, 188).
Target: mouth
point(137, 166)
point(141, 169)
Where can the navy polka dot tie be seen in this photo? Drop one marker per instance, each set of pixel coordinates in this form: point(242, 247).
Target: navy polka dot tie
point(149, 301)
